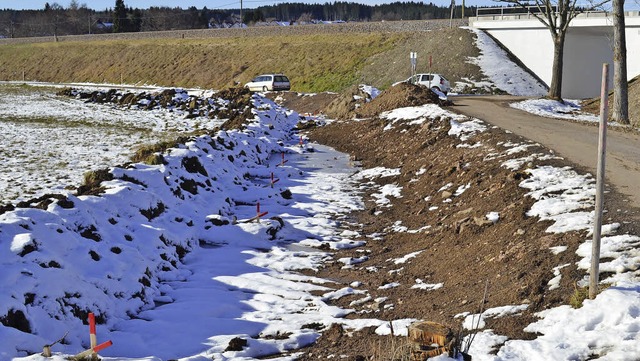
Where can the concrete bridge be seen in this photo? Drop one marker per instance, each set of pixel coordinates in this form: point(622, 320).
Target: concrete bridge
point(589, 44)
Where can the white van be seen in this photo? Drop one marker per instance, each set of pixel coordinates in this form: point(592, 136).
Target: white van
point(269, 82)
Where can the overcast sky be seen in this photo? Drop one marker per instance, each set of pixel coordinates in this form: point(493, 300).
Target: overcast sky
point(210, 4)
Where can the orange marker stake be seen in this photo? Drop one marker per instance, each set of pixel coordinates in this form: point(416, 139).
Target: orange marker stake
point(102, 346)
point(273, 180)
point(258, 213)
point(93, 339)
point(283, 161)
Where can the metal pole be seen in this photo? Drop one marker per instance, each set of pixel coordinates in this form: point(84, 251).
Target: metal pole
point(453, 6)
point(602, 147)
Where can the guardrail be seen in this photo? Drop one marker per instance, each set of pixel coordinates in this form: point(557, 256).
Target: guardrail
point(517, 12)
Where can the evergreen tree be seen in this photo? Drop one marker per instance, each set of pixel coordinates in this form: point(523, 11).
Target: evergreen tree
point(120, 17)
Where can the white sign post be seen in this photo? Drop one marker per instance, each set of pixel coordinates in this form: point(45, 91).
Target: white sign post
point(414, 59)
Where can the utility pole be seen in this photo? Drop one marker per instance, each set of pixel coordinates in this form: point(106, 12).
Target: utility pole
point(241, 19)
point(462, 17)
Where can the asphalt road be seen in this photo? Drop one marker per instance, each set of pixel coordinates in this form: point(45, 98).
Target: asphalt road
point(576, 142)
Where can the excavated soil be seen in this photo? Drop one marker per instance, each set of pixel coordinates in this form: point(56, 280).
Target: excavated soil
point(593, 105)
point(459, 247)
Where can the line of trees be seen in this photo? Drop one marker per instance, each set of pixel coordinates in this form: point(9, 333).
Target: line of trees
point(55, 19)
point(349, 11)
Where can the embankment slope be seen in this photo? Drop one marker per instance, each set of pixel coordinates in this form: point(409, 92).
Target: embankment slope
point(316, 58)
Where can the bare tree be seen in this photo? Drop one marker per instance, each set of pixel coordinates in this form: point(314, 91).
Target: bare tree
point(56, 12)
point(620, 109)
point(556, 16)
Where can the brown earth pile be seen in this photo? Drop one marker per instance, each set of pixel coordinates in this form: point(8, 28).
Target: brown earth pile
point(459, 247)
point(593, 105)
point(355, 102)
point(399, 96)
point(345, 104)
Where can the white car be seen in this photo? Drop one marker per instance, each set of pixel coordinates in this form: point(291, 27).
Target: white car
point(433, 81)
point(269, 82)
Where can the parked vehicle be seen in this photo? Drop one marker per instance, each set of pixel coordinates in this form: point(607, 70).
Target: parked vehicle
point(269, 82)
point(433, 81)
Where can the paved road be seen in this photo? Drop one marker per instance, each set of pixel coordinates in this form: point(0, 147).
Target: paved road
point(573, 141)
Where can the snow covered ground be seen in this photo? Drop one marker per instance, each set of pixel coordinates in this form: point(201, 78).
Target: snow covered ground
point(40, 130)
point(170, 275)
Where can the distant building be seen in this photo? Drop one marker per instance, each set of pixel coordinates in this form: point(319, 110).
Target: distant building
point(103, 25)
point(232, 21)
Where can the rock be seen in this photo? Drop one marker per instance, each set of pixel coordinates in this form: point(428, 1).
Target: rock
point(481, 221)
point(217, 220)
point(446, 194)
point(464, 212)
point(272, 231)
point(236, 344)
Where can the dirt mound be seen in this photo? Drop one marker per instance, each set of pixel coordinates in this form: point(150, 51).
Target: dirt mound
point(456, 250)
point(399, 96)
point(304, 103)
point(593, 105)
point(344, 106)
point(356, 102)
point(233, 103)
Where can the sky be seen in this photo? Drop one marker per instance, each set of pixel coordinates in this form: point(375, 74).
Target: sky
point(97, 253)
point(210, 4)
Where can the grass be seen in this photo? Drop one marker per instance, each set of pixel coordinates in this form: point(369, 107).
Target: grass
point(582, 293)
point(315, 62)
point(578, 296)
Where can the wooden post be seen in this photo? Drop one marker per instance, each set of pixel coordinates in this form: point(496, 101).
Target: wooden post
point(602, 147)
point(46, 349)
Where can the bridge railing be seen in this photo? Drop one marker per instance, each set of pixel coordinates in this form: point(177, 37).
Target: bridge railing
point(517, 12)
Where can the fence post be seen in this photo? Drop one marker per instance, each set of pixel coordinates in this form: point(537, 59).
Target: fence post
point(602, 147)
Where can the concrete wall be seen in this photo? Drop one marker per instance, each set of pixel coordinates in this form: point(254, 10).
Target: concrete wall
point(588, 45)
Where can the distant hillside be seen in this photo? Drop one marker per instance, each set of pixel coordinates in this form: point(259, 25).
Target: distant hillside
point(316, 57)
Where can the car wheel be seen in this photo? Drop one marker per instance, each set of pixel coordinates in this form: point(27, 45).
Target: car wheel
point(435, 88)
point(264, 88)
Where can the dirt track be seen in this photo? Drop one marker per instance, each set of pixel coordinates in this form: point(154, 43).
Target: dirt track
point(577, 142)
